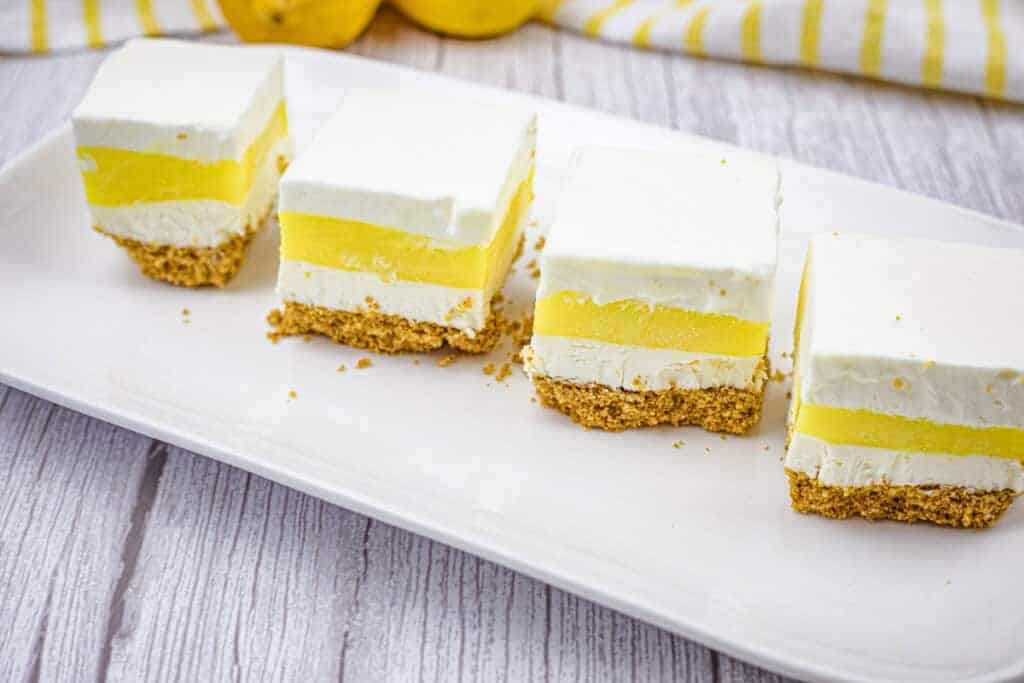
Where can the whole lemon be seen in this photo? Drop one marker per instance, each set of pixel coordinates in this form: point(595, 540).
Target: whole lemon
point(318, 23)
point(469, 18)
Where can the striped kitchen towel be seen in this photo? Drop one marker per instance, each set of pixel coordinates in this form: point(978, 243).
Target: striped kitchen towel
point(974, 46)
point(45, 25)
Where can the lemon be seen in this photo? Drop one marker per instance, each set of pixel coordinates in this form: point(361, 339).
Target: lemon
point(318, 23)
point(468, 18)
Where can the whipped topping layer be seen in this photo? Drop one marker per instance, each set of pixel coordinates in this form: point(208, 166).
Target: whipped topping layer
point(698, 232)
point(182, 99)
point(434, 166)
point(914, 328)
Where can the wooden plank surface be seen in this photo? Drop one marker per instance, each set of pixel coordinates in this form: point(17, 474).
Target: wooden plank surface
point(122, 558)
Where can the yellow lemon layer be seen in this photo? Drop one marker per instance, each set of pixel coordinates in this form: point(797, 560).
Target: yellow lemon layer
point(115, 177)
point(397, 255)
point(798, 325)
point(877, 430)
point(634, 323)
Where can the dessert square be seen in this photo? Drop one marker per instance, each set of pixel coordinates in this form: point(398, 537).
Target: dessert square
point(181, 146)
point(399, 224)
point(656, 291)
point(908, 398)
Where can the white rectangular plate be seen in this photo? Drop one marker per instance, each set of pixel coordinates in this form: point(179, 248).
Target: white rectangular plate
point(699, 540)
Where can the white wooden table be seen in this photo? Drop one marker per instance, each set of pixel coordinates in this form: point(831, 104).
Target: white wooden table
point(122, 558)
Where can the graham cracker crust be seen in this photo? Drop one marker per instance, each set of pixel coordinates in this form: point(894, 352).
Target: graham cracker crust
point(953, 506)
point(384, 333)
point(716, 409)
point(187, 266)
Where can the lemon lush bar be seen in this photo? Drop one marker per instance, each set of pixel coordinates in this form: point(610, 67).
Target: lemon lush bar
point(656, 290)
point(181, 146)
point(908, 398)
point(399, 224)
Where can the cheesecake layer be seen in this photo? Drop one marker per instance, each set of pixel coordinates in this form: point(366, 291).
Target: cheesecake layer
point(635, 323)
point(118, 177)
point(199, 222)
point(396, 255)
point(586, 361)
point(342, 290)
point(846, 465)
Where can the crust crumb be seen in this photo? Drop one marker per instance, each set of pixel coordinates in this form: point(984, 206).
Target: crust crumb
point(503, 372)
point(447, 360)
point(520, 331)
point(488, 369)
point(678, 444)
point(459, 309)
point(363, 363)
point(953, 506)
point(716, 409)
point(187, 266)
point(292, 395)
point(519, 248)
point(539, 244)
point(342, 368)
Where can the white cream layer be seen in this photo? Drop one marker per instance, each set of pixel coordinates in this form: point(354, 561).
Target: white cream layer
point(841, 465)
point(419, 163)
point(933, 332)
point(344, 290)
point(585, 361)
point(690, 230)
point(184, 99)
point(977, 397)
point(198, 222)
point(725, 292)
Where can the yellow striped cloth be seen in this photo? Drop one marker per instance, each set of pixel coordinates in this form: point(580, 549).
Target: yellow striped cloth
point(45, 25)
point(974, 46)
